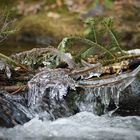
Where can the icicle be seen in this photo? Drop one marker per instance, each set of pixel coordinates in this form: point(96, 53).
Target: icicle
point(98, 90)
point(8, 72)
point(86, 101)
point(115, 95)
point(54, 83)
point(125, 83)
point(2, 65)
point(105, 96)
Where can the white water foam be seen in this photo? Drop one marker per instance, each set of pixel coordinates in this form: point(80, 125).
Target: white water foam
point(82, 126)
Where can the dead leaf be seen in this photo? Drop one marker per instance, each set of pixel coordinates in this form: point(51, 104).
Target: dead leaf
point(53, 15)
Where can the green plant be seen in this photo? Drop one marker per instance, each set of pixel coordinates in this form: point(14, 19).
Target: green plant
point(5, 31)
point(108, 23)
point(97, 32)
point(5, 25)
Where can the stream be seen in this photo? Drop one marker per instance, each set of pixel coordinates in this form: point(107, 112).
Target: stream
point(55, 114)
point(52, 119)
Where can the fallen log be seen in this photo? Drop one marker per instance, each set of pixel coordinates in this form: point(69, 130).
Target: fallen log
point(115, 68)
point(126, 77)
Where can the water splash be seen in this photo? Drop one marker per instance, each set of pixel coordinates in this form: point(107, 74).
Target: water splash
point(46, 92)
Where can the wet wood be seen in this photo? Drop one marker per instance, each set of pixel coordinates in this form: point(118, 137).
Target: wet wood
point(110, 81)
point(22, 78)
point(115, 68)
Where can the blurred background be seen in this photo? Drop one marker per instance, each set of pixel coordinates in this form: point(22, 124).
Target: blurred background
point(37, 23)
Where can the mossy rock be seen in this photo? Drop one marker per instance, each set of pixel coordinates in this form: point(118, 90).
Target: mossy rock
point(44, 30)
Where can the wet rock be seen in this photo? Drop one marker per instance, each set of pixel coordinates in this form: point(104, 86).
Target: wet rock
point(129, 103)
point(11, 110)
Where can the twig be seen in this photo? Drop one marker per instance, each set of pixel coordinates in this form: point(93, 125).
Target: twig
point(13, 89)
point(22, 88)
point(8, 59)
point(110, 81)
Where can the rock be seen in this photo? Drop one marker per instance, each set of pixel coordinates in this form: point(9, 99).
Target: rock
point(11, 110)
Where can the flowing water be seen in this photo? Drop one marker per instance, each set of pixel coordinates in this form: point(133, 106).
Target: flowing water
point(82, 126)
